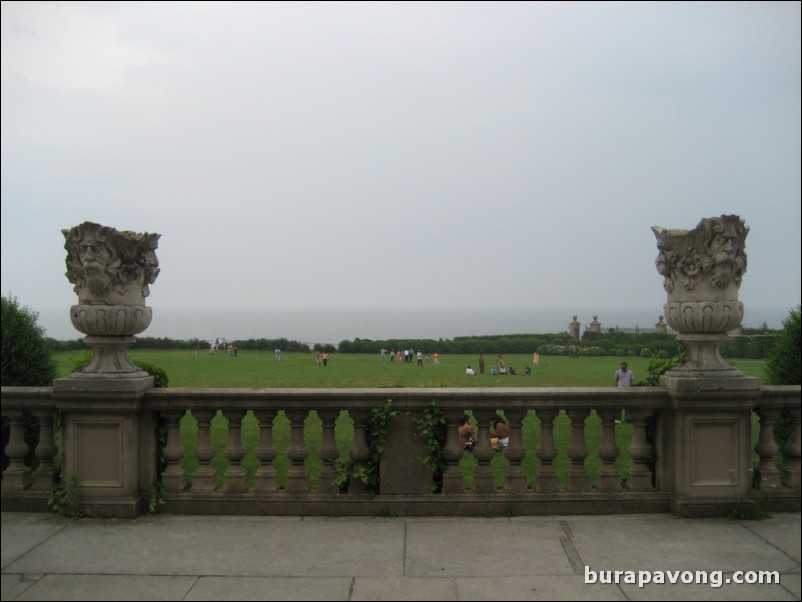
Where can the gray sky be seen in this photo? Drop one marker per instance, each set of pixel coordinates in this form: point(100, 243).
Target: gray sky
point(419, 154)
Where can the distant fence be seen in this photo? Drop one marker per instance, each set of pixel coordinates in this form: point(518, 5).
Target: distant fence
point(635, 330)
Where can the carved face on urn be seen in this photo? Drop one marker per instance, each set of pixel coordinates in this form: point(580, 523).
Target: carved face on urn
point(702, 270)
point(726, 250)
point(703, 264)
point(109, 267)
point(94, 258)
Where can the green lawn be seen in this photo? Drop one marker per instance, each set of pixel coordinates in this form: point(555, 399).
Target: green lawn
point(259, 369)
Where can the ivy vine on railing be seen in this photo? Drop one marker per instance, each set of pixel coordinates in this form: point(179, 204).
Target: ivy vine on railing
point(378, 426)
point(430, 429)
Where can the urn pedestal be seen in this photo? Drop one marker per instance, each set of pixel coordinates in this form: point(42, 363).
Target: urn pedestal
point(109, 441)
point(110, 330)
point(702, 328)
point(702, 270)
point(706, 455)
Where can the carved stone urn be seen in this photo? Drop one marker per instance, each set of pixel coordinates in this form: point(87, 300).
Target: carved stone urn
point(111, 272)
point(702, 270)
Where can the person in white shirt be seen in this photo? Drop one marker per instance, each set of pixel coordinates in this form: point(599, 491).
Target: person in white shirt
point(623, 379)
point(624, 376)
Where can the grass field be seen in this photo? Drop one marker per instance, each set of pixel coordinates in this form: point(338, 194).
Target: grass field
point(260, 370)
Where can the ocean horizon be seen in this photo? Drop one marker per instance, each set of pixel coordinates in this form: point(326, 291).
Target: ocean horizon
point(330, 326)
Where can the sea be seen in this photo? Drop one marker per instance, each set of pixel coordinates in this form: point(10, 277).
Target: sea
point(330, 326)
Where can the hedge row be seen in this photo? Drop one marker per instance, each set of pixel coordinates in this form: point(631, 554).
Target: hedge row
point(756, 346)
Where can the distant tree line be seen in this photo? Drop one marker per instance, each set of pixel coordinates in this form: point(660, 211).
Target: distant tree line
point(167, 343)
point(617, 343)
point(644, 344)
point(750, 346)
point(755, 344)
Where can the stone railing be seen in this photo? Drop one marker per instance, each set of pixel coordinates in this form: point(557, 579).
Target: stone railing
point(110, 442)
point(691, 448)
point(26, 406)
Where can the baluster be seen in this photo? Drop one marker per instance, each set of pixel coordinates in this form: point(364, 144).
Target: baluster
point(484, 481)
point(791, 473)
point(453, 479)
point(328, 453)
point(204, 479)
point(173, 477)
point(640, 477)
point(235, 479)
point(515, 481)
point(266, 481)
point(360, 452)
point(546, 451)
point(297, 477)
point(17, 476)
point(609, 479)
point(768, 475)
point(577, 452)
point(46, 450)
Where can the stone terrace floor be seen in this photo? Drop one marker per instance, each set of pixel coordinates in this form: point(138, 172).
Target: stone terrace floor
point(164, 557)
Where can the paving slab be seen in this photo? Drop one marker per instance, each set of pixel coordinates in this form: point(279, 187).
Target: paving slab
point(499, 546)
point(782, 531)
point(256, 546)
point(793, 583)
point(107, 587)
point(541, 587)
point(23, 532)
point(12, 586)
point(404, 588)
point(661, 542)
point(271, 588)
point(730, 591)
point(356, 558)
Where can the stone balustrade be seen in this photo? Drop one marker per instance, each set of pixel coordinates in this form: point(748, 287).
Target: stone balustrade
point(117, 473)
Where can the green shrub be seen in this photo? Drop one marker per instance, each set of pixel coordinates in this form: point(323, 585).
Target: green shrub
point(783, 368)
point(659, 366)
point(160, 378)
point(27, 360)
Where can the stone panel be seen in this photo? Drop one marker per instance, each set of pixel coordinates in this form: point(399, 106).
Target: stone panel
point(714, 460)
point(99, 453)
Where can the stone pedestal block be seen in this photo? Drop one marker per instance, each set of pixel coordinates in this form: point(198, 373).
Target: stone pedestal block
point(708, 441)
point(109, 443)
point(401, 470)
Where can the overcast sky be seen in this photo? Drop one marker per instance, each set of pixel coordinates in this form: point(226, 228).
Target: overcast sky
point(465, 155)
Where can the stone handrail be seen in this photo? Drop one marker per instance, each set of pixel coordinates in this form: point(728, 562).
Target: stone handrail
point(17, 477)
point(21, 488)
point(774, 400)
point(409, 398)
